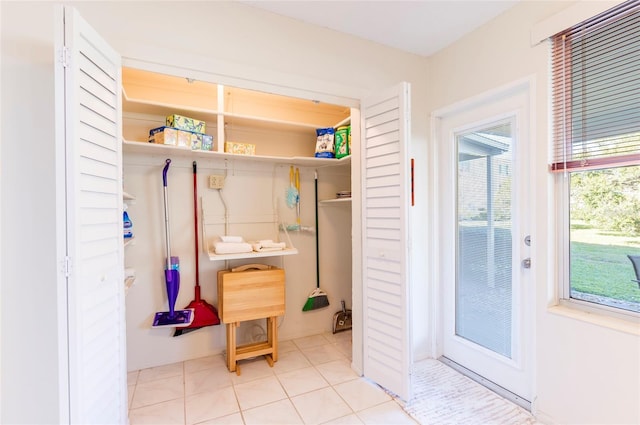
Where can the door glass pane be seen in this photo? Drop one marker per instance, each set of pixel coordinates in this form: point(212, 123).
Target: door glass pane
point(483, 257)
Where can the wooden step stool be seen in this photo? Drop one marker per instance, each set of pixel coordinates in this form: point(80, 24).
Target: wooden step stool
point(251, 292)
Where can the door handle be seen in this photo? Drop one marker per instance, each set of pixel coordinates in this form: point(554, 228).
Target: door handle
point(526, 263)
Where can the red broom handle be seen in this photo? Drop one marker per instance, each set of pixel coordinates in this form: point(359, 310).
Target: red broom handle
point(195, 227)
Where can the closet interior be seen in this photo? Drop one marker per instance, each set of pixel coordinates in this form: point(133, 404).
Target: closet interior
point(245, 194)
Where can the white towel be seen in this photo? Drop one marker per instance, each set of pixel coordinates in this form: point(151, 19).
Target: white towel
point(220, 247)
point(232, 239)
point(268, 245)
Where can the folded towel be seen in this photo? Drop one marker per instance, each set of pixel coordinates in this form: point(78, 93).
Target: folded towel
point(258, 248)
point(268, 245)
point(233, 239)
point(220, 247)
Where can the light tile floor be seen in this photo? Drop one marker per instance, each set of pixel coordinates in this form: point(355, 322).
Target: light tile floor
point(311, 383)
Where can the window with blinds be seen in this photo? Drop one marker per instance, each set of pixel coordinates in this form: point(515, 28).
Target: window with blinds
point(596, 154)
point(596, 92)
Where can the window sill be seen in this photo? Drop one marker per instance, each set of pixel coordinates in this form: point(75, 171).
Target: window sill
point(574, 310)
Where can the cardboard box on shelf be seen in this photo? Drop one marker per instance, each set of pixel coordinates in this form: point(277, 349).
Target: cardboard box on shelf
point(175, 137)
point(164, 136)
point(240, 148)
point(201, 142)
point(196, 141)
point(185, 123)
point(184, 139)
point(207, 142)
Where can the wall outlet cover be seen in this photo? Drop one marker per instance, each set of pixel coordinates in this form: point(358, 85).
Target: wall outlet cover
point(216, 182)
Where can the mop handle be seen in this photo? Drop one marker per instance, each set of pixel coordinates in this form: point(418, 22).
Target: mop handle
point(166, 211)
point(195, 221)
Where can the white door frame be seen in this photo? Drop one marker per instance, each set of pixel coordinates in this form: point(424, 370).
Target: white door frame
point(437, 271)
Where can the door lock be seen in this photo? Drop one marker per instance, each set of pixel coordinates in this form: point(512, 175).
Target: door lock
point(527, 240)
point(526, 263)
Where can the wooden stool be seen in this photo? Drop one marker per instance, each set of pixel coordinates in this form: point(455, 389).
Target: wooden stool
point(254, 291)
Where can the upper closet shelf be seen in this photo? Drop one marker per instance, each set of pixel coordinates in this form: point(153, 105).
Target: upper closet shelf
point(153, 111)
point(168, 150)
point(346, 121)
point(155, 94)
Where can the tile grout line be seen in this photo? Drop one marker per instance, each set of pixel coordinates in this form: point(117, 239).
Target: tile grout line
point(184, 394)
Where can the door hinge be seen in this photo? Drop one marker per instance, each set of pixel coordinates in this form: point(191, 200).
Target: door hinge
point(66, 267)
point(64, 56)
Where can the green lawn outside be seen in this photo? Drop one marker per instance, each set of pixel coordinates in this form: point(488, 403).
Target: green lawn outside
point(599, 264)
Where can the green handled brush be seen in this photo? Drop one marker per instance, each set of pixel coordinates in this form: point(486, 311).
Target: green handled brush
point(317, 298)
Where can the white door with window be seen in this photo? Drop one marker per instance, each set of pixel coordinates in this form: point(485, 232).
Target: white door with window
point(486, 301)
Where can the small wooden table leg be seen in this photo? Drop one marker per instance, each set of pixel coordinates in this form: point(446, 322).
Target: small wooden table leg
point(269, 359)
point(231, 346)
point(272, 336)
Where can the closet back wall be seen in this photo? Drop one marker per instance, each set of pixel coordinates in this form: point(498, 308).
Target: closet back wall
point(253, 193)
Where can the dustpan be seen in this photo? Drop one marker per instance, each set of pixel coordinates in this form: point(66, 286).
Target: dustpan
point(342, 319)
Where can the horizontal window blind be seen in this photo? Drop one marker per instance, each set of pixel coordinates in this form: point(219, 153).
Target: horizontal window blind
point(596, 92)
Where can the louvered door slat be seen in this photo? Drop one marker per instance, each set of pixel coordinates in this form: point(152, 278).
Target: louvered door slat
point(97, 370)
point(387, 350)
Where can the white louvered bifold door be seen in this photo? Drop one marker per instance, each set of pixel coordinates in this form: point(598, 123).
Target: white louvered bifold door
point(385, 202)
point(95, 289)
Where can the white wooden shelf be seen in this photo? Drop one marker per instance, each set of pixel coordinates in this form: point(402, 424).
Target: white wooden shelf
point(335, 201)
point(155, 94)
point(346, 121)
point(157, 112)
point(268, 123)
point(151, 108)
point(169, 150)
point(245, 255)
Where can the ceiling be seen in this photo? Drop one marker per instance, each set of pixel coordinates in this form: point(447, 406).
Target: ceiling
point(419, 26)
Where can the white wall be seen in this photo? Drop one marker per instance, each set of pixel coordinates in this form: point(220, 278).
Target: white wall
point(585, 373)
point(233, 41)
point(29, 331)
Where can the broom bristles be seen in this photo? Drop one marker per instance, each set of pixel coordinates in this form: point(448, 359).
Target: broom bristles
point(317, 299)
